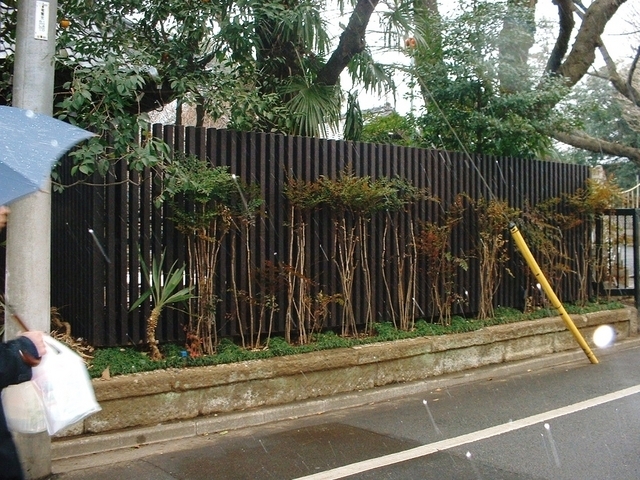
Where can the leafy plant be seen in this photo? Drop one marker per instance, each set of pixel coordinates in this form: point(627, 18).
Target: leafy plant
point(209, 203)
point(584, 206)
point(164, 289)
point(391, 128)
point(542, 229)
point(434, 246)
point(399, 251)
point(304, 198)
point(100, 97)
point(545, 229)
point(477, 89)
point(353, 201)
point(492, 218)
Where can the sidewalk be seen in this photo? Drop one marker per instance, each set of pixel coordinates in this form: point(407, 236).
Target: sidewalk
point(123, 457)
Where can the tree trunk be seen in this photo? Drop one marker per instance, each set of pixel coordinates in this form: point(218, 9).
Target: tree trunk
point(583, 53)
point(352, 42)
point(566, 24)
point(152, 324)
point(516, 39)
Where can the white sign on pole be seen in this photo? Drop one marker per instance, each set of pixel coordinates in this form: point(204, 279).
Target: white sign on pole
point(42, 21)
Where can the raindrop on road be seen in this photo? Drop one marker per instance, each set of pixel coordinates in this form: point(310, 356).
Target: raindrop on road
point(433, 422)
point(473, 465)
point(552, 444)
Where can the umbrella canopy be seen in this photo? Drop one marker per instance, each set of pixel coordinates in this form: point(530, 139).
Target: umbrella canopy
point(30, 145)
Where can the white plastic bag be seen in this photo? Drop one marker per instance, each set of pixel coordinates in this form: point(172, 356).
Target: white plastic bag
point(64, 386)
point(23, 408)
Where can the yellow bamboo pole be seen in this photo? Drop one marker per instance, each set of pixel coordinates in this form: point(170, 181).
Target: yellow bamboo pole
point(535, 269)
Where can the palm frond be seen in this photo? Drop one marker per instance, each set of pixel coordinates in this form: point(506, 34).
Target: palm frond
point(162, 288)
point(373, 76)
point(353, 119)
point(313, 108)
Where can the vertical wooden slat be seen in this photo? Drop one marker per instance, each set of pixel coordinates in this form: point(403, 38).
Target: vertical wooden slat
point(125, 218)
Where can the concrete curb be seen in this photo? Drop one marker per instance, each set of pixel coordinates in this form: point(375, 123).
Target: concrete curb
point(147, 399)
point(67, 448)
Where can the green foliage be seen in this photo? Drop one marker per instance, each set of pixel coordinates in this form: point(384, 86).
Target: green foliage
point(304, 195)
point(374, 76)
point(433, 244)
point(279, 347)
point(329, 340)
point(164, 289)
point(103, 99)
point(228, 352)
point(120, 361)
point(387, 331)
point(391, 129)
point(625, 173)
point(353, 119)
point(312, 109)
point(467, 107)
point(364, 196)
point(258, 65)
point(598, 110)
point(425, 329)
point(163, 286)
point(353, 201)
point(252, 63)
point(223, 194)
point(208, 204)
point(491, 248)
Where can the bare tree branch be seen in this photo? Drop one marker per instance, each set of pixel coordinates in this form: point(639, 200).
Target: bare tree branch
point(582, 140)
point(625, 88)
point(632, 70)
point(566, 23)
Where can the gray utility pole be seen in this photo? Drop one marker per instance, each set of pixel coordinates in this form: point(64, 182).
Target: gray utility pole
point(28, 273)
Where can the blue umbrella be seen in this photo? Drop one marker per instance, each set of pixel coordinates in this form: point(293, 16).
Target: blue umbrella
point(30, 145)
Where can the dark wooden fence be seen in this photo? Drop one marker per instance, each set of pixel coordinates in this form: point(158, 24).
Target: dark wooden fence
point(99, 229)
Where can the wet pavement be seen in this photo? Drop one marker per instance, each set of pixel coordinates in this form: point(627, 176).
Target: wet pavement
point(568, 421)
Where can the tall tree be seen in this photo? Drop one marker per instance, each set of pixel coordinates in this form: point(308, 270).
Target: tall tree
point(268, 66)
point(576, 66)
point(600, 112)
point(482, 92)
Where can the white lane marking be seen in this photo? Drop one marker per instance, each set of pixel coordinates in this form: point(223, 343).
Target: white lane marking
point(424, 450)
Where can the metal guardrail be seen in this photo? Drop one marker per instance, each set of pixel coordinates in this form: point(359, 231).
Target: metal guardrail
point(631, 197)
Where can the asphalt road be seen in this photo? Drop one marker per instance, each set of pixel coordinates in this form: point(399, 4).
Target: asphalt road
point(573, 421)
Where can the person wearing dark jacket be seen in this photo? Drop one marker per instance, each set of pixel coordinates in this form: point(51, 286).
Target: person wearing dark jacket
point(17, 357)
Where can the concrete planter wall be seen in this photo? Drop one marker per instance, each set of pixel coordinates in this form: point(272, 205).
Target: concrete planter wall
point(147, 399)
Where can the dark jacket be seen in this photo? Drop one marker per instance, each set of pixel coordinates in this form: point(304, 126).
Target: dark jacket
point(13, 370)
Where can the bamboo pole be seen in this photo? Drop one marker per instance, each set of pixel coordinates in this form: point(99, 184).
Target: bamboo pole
point(535, 269)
